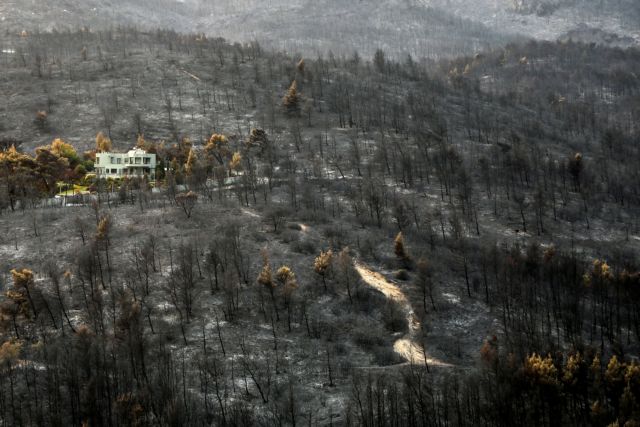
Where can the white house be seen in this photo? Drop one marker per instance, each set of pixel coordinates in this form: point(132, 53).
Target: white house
point(134, 163)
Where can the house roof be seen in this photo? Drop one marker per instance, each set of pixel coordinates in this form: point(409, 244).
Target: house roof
point(132, 152)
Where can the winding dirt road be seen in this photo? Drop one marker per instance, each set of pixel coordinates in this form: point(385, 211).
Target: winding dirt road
point(407, 346)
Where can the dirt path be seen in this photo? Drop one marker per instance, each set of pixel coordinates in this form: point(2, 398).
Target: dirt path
point(407, 346)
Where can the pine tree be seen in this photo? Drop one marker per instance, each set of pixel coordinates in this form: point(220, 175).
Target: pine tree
point(575, 169)
point(217, 147)
point(291, 100)
point(63, 149)
point(287, 279)
point(400, 250)
point(398, 246)
point(9, 352)
point(23, 284)
point(191, 162)
point(322, 265)
point(103, 144)
point(541, 370)
point(258, 137)
point(236, 162)
point(265, 278)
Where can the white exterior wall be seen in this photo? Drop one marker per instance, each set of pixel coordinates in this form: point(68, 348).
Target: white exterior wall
point(134, 163)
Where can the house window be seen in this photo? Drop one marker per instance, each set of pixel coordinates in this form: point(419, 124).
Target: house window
point(138, 160)
point(114, 171)
point(126, 160)
point(112, 160)
point(147, 160)
point(119, 160)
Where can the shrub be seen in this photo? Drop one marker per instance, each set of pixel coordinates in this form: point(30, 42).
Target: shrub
point(366, 299)
point(385, 356)
point(337, 236)
point(294, 226)
point(42, 121)
point(304, 246)
point(394, 318)
point(368, 338)
point(401, 274)
point(289, 236)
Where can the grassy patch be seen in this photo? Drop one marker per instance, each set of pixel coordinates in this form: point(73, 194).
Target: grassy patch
point(71, 190)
